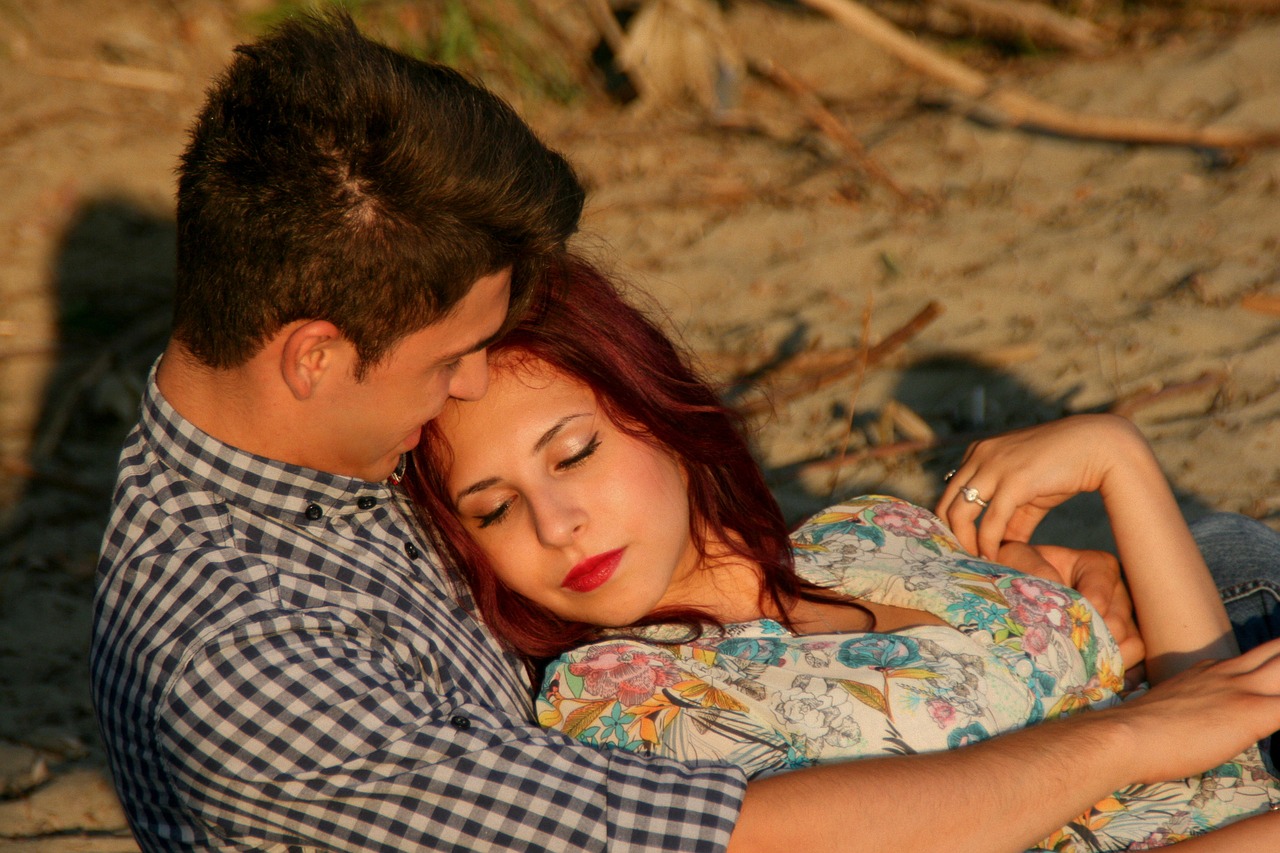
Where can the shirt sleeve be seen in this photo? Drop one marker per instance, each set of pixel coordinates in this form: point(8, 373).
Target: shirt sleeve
point(297, 730)
point(639, 697)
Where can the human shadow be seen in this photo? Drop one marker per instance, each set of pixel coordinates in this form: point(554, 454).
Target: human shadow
point(963, 400)
point(112, 280)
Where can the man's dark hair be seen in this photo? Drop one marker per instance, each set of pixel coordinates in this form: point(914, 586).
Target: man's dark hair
point(330, 177)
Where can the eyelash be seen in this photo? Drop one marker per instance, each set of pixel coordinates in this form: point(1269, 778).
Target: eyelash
point(581, 456)
point(499, 512)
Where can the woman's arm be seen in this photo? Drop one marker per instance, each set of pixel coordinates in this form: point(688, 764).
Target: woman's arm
point(1024, 474)
point(1005, 794)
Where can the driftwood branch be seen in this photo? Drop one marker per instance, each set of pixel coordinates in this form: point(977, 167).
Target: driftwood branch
point(122, 76)
point(922, 439)
point(1126, 407)
point(1011, 21)
point(1008, 107)
point(825, 121)
point(1261, 303)
point(861, 358)
point(1254, 6)
point(1129, 406)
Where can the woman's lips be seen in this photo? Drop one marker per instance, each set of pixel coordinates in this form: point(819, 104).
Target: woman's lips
point(593, 571)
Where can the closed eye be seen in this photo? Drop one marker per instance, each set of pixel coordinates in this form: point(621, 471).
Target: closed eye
point(581, 456)
point(495, 515)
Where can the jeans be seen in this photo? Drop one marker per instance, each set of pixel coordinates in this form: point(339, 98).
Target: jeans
point(1244, 558)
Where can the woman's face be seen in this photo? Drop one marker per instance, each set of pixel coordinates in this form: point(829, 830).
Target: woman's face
point(573, 513)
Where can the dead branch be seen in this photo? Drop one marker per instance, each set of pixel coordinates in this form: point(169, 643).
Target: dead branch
point(867, 357)
point(860, 372)
point(122, 76)
point(1247, 6)
point(1129, 406)
point(1261, 303)
point(1008, 107)
point(1001, 20)
point(825, 121)
point(879, 451)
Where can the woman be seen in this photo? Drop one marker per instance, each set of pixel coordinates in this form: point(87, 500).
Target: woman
point(603, 507)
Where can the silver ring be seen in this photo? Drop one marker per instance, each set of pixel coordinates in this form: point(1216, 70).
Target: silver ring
point(949, 474)
point(971, 495)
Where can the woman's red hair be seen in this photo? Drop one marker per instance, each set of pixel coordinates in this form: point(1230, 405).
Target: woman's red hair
point(585, 329)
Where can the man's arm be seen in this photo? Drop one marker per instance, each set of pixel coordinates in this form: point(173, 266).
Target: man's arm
point(1005, 794)
point(297, 730)
point(271, 741)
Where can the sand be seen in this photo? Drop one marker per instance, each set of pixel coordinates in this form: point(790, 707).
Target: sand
point(1066, 276)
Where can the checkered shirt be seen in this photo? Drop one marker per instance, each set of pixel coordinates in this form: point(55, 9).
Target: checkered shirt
point(279, 664)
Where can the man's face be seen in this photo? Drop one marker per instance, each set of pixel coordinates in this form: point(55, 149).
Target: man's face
point(370, 423)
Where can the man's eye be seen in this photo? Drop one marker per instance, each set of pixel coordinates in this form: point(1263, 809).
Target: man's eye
point(495, 515)
point(581, 456)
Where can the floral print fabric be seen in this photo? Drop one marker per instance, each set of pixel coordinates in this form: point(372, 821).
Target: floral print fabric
point(1015, 650)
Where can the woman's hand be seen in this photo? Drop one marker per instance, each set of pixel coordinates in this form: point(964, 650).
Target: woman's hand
point(1021, 475)
point(1013, 480)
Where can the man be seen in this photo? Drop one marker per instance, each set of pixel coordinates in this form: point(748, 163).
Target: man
point(278, 662)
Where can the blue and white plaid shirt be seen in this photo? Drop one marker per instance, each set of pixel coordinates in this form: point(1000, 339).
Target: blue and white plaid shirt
point(279, 664)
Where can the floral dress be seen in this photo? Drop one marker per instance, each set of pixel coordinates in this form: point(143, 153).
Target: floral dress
point(1015, 650)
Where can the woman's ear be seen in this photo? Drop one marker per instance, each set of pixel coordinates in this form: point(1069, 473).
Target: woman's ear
point(313, 350)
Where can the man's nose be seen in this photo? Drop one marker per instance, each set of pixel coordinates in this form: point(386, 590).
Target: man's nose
point(471, 379)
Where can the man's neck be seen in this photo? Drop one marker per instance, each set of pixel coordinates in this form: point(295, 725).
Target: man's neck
point(233, 405)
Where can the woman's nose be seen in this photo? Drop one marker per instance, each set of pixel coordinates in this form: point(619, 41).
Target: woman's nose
point(558, 519)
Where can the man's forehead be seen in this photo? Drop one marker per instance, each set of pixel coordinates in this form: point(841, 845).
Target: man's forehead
point(474, 323)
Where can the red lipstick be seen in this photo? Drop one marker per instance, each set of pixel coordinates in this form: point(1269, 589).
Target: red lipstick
point(593, 571)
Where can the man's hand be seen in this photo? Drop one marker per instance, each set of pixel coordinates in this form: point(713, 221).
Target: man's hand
point(1097, 576)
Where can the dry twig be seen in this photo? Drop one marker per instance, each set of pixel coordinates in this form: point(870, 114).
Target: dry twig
point(1262, 303)
point(123, 76)
point(823, 119)
point(1007, 20)
point(860, 372)
point(1129, 406)
point(865, 357)
point(1008, 107)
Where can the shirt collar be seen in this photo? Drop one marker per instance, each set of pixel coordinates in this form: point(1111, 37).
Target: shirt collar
point(245, 479)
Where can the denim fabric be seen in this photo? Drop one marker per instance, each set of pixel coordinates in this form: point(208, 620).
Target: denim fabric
point(1244, 558)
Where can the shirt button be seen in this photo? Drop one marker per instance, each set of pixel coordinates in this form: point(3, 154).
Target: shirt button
point(459, 722)
point(314, 512)
point(366, 502)
point(411, 550)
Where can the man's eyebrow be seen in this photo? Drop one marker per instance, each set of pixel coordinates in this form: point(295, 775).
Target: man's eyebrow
point(476, 347)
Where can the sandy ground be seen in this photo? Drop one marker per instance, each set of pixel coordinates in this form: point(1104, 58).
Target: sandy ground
point(1070, 276)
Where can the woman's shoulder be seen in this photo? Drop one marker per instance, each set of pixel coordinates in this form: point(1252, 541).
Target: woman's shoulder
point(893, 517)
point(873, 529)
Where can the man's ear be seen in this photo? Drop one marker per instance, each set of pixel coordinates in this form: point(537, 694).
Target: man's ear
point(312, 350)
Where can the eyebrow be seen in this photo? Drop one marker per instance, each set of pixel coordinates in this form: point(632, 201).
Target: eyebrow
point(541, 443)
point(476, 347)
